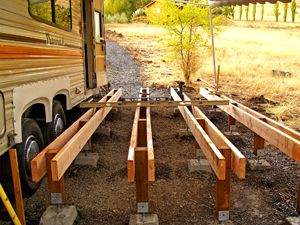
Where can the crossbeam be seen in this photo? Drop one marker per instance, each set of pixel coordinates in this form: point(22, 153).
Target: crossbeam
point(141, 129)
point(210, 150)
point(285, 139)
point(238, 160)
point(38, 164)
point(64, 158)
point(152, 103)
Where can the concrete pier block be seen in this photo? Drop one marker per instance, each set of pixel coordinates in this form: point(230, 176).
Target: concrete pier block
point(184, 133)
point(65, 215)
point(103, 130)
point(198, 165)
point(293, 220)
point(144, 219)
point(200, 154)
point(261, 164)
point(87, 159)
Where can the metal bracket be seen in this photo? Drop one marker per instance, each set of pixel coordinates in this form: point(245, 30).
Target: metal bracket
point(11, 138)
point(56, 198)
point(223, 215)
point(142, 207)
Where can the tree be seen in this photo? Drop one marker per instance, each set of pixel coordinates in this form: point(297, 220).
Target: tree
point(293, 10)
point(262, 12)
point(241, 12)
point(247, 12)
point(254, 12)
point(285, 11)
point(276, 10)
point(188, 29)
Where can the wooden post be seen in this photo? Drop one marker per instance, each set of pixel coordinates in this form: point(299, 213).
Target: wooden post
point(259, 143)
point(231, 122)
point(298, 200)
point(56, 188)
point(141, 179)
point(17, 185)
point(223, 189)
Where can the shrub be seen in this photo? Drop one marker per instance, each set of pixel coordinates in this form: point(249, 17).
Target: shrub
point(117, 18)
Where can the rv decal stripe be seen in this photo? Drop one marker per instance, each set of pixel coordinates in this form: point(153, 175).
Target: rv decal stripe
point(13, 52)
point(12, 37)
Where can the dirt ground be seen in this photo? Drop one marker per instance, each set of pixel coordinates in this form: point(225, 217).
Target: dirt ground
point(102, 195)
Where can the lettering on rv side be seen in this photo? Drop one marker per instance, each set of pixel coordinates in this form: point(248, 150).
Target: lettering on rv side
point(54, 40)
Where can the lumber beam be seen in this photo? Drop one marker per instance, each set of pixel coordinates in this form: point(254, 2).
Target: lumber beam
point(223, 189)
point(63, 159)
point(238, 160)
point(141, 136)
point(38, 164)
point(56, 188)
point(210, 150)
point(280, 136)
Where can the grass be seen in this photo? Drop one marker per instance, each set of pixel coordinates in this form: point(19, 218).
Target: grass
point(246, 51)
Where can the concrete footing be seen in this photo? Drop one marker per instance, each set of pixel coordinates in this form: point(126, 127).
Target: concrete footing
point(103, 130)
point(293, 220)
point(261, 164)
point(184, 133)
point(65, 215)
point(87, 159)
point(198, 165)
point(144, 219)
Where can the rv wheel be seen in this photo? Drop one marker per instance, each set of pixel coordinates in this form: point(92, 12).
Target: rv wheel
point(30, 147)
point(58, 124)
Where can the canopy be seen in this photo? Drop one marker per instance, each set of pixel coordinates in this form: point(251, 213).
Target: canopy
point(216, 3)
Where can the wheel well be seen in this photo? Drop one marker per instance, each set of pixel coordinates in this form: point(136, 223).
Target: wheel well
point(62, 99)
point(36, 111)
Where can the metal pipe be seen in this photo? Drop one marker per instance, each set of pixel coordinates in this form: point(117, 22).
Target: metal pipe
point(213, 44)
point(9, 207)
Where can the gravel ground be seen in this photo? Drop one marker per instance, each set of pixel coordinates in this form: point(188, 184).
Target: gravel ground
point(102, 195)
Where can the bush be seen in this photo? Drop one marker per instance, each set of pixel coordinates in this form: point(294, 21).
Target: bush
point(138, 13)
point(117, 18)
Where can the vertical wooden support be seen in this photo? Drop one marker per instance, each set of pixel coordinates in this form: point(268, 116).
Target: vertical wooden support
point(17, 185)
point(56, 188)
point(141, 179)
point(298, 200)
point(231, 122)
point(223, 189)
point(259, 143)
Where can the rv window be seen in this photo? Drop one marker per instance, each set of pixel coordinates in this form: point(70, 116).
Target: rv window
point(2, 115)
point(53, 11)
point(98, 28)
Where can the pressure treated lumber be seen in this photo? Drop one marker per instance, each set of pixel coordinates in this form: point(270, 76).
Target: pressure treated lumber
point(141, 136)
point(17, 185)
point(212, 153)
point(38, 164)
point(63, 159)
point(278, 135)
point(238, 160)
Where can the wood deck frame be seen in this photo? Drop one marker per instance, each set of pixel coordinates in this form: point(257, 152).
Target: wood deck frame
point(238, 160)
point(76, 135)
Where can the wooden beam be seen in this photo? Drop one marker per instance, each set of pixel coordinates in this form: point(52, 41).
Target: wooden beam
point(56, 188)
point(17, 186)
point(277, 137)
point(273, 123)
point(238, 160)
point(38, 164)
point(141, 175)
point(61, 162)
point(212, 153)
point(298, 200)
point(223, 186)
point(141, 136)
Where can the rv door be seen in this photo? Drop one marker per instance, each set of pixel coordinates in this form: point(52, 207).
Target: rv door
point(94, 43)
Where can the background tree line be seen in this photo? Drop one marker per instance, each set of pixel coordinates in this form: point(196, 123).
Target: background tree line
point(122, 10)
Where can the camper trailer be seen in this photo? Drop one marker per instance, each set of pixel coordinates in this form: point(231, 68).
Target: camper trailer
point(52, 57)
